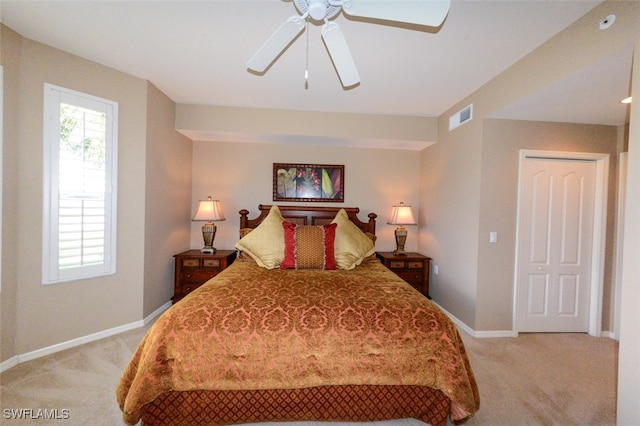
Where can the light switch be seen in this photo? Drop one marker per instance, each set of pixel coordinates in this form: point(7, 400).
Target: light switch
point(493, 237)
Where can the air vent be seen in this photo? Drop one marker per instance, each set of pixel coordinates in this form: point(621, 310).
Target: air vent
point(461, 117)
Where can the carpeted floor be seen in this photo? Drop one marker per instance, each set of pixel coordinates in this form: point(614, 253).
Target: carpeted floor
point(545, 379)
point(535, 379)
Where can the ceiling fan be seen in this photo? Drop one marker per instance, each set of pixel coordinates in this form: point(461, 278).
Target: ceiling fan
point(421, 12)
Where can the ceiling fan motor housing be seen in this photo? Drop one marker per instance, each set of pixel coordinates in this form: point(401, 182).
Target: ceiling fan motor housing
point(318, 10)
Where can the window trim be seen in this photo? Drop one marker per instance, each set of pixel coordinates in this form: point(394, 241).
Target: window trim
point(53, 96)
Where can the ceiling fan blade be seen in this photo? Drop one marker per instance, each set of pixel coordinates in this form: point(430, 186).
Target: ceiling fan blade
point(421, 12)
point(340, 54)
point(276, 44)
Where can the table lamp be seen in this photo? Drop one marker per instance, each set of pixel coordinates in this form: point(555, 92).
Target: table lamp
point(401, 215)
point(208, 211)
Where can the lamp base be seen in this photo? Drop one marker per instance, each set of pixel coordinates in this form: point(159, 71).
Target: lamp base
point(401, 238)
point(208, 234)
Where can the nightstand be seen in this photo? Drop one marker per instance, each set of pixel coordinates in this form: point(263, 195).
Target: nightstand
point(194, 268)
point(412, 267)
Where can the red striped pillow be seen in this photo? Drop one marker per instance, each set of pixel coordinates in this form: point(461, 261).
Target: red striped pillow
point(308, 246)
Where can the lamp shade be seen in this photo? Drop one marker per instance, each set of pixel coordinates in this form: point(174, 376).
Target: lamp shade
point(401, 215)
point(209, 210)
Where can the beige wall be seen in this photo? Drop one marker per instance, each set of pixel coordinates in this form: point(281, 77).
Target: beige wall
point(167, 198)
point(154, 168)
point(10, 60)
point(461, 204)
point(201, 122)
point(629, 351)
point(457, 179)
point(240, 175)
point(51, 314)
point(449, 203)
point(502, 141)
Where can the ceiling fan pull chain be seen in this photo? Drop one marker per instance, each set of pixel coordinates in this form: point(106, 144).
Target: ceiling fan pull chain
point(306, 65)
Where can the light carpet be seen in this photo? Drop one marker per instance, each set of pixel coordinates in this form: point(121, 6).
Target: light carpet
point(534, 379)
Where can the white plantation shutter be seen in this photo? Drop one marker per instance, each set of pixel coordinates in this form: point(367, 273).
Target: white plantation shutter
point(80, 151)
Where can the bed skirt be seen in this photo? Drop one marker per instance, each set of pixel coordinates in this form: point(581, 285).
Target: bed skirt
point(326, 403)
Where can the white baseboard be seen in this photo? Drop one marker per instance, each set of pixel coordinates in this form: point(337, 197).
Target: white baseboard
point(494, 333)
point(155, 314)
point(38, 353)
point(8, 363)
point(477, 334)
point(498, 333)
point(608, 334)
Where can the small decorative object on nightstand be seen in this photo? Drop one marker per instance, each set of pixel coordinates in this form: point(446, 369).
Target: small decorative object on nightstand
point(208, 210)
point(194, 268)
point(401, 215)
point(411, 267)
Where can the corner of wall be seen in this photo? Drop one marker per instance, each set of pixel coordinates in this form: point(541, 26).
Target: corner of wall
point(168, 177)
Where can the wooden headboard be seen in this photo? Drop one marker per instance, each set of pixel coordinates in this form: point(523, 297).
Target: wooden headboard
point(309, 215)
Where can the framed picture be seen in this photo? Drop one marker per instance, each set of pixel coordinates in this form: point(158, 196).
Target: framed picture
point(308, 182)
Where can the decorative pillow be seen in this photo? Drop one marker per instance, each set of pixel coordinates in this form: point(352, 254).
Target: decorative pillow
point(373, 237)
point(265, 244)
point(244, 231)
point(308, 246)
point(242, 256)
point(352, 245)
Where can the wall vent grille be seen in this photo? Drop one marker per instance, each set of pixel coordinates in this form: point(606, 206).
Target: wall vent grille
point(461, 117)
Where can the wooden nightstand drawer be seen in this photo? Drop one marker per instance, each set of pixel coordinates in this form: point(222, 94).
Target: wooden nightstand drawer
point(188, 288)
point(190, 263)
point(395, 264)
point(411, 277)
point(197, 276)
point(211, 263)
point(194, 268)
point(411, 267)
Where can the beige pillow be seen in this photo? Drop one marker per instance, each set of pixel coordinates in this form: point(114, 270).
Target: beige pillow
point(265, 244)
point(352, 245)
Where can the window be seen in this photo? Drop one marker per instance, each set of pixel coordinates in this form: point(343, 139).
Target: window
point(80, 176)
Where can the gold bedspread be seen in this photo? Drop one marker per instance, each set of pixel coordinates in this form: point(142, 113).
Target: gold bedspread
point(252, 328)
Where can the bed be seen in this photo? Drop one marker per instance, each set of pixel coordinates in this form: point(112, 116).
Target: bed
point(305, 325)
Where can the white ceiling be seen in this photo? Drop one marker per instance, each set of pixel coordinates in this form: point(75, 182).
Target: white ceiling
point(196, 52)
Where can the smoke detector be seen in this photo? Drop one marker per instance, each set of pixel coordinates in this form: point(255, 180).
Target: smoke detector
point(606, 22)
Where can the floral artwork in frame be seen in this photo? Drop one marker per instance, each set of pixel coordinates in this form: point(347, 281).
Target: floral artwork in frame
point(308, 182)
